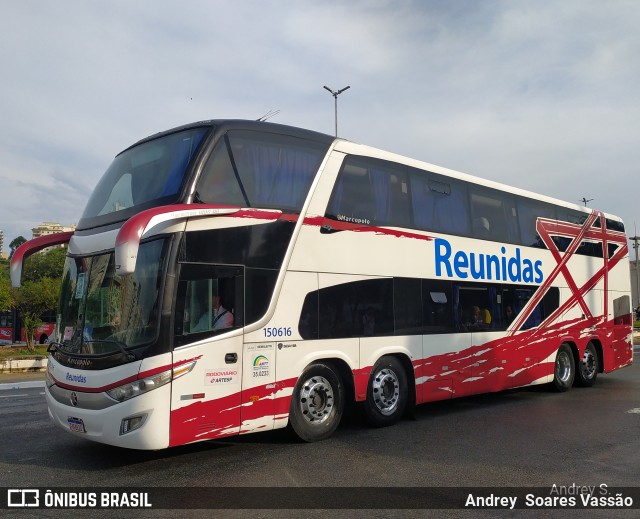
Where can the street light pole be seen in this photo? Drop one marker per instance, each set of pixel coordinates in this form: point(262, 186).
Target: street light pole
point(335, 97)
point(635, 246)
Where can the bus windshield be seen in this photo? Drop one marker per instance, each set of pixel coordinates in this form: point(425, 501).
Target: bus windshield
point(149, 172)
point(102, 313)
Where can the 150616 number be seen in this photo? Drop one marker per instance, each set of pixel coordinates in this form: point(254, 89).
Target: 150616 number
point(277, 331)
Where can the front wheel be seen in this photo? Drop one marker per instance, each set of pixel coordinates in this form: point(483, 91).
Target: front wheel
point(387, 393)
point(564, 370)
point(588, 367)
point(317, 403)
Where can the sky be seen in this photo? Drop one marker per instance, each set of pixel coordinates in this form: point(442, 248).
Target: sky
point(543, 95)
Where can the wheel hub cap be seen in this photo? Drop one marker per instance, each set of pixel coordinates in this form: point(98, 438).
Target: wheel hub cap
point(386, 390)
point(316, 400)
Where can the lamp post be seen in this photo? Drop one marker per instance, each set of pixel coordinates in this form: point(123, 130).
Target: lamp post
point(635, 239)
point(335, 97)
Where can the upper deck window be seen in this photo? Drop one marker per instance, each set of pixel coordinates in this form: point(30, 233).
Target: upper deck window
point(150, 171)
point(372, 192)
point(255, 169)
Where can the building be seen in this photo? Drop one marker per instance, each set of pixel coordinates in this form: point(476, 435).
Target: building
point(1, 243)
point(46, 228)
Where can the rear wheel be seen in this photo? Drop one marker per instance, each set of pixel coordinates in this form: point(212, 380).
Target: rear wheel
point(387, 393)
point(317, 403)
point(564, 370)
point(588, 367)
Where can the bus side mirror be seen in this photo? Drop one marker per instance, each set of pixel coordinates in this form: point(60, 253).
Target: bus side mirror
point(31, 247)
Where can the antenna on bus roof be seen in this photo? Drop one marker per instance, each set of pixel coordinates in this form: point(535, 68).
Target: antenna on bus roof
point(268, 115)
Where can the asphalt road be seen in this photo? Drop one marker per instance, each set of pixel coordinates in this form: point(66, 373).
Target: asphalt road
point(529, 437)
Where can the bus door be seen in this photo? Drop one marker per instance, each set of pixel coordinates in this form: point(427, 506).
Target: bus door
point(209, 316)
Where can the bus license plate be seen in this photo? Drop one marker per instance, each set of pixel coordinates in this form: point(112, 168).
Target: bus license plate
point(76, 424)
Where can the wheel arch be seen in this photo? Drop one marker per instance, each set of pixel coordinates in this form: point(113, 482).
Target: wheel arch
point(599, 350)
point(410, 373)
point(342, 369)
point(574, 349)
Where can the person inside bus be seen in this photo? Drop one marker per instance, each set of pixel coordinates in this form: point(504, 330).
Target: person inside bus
point(219, 318)
point(508, 315)
point(475, 319)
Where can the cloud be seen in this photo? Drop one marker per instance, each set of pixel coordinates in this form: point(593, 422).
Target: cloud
point(542, 95)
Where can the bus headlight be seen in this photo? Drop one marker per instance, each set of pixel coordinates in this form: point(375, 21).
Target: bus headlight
point(139, 387)
point(144, 385)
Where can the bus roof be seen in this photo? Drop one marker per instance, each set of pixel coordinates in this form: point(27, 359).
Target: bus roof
point(349, 147)
point(222, 125)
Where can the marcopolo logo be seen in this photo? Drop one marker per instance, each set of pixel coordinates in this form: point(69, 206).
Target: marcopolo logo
point(471, 265)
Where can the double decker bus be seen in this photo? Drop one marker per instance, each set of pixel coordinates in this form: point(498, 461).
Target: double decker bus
point(230, 277)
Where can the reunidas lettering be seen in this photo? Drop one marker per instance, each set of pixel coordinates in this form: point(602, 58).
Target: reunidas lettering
point(480, 266)
point(76, 378)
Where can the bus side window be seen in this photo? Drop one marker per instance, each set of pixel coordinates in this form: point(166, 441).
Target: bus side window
point(218, 184)
point(352, 199)
point(371, 192)
point(353, 309)
point(493, 215)
point(207, 299)
point(528, 213)
point(439, 203)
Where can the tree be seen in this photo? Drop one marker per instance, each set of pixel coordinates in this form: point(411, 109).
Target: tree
point(44, 265)
point(15, 243)
point(6, 300)
point(41, 279)
point(32, 299)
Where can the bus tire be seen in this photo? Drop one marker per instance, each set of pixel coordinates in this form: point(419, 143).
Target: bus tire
point(386, 393)
point(564, 370)
point(317, 403)
point(588, 367)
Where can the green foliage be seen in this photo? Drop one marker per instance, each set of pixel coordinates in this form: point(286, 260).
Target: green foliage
point(32, 299)
point(6, 299)
point(47, 265)
point(15, 243)
point(19, 351)
point(41, 279)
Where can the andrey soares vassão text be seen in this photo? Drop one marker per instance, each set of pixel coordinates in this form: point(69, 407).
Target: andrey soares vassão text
point(559, 496)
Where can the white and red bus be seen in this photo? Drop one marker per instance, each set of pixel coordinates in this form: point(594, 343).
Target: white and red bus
point(231, 277)
point(12, 331)
point(7, 334)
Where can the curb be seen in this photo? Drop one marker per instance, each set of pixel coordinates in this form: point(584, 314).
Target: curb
point(23, 364)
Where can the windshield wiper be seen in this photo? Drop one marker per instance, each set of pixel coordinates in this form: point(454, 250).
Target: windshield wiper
point(121, 346)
